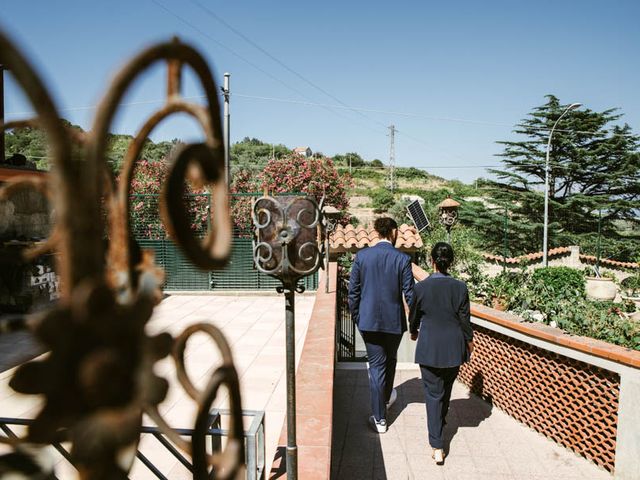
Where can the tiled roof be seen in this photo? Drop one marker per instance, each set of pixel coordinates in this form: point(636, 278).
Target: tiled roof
point(530, 257)
point(352, 238)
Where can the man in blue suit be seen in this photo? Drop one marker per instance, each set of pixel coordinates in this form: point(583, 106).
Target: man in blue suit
point(379, 277)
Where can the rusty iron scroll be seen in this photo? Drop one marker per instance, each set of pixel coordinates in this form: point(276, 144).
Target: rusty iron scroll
point(98, 379)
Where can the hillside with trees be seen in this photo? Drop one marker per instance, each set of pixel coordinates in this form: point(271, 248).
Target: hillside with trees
point(595, 183)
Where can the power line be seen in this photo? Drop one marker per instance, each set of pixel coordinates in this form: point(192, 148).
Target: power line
point(281, 63)
point(248, 62)
point(123, 104)
point(308, 103)
point(425, 168)
point(419, 115)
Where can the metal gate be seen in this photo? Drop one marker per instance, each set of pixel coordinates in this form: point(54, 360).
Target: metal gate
point(345, 327)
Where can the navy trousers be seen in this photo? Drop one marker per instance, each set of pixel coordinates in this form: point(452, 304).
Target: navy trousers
point(438, 383)
point(382, 352)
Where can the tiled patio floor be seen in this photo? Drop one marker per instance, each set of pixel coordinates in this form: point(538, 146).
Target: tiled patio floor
point(253, 325)
point(484, 443)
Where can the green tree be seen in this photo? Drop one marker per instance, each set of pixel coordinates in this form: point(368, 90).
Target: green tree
point(382, 200)
point(594, 167)
point(253, 154)
point(32, 143)
point(353, 157)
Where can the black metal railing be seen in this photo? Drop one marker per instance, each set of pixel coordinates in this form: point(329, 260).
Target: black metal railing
point(345, 327)
point(253, 436)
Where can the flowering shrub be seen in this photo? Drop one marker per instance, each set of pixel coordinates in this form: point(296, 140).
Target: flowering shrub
point(293, 174)
point(313, 176)
point(148, 178)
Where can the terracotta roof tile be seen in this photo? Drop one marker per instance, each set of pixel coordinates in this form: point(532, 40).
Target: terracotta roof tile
point(350, 238)
point(557, 251)
point(606, 261)
point(528, 257)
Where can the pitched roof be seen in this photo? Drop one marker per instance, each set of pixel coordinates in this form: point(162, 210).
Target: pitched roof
point(352, 239)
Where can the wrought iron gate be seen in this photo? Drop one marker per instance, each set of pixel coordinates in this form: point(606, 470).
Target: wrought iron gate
point(345, 328)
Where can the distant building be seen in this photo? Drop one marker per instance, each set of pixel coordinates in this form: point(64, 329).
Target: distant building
point(304, 151)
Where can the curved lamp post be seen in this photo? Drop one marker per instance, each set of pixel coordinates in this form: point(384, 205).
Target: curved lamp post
point(545, 239)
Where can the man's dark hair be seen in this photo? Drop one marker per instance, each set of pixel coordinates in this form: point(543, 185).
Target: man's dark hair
point(384, 226)
point(442, 256)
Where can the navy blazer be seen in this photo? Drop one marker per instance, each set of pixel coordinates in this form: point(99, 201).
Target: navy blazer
point(441, 312)
point(379, 277)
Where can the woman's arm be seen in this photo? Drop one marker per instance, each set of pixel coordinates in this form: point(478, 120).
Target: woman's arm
point(464, 315)
point(415, 314)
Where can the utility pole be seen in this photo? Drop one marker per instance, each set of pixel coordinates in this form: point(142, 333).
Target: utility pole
point(227, 130)
point(392, 158)
point(2, 112)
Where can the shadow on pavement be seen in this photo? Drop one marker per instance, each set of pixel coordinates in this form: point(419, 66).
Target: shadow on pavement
point(356, 452)
point(463, 412)
point(16, 347)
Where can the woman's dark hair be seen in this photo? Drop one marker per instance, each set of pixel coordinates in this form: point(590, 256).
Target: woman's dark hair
point(384, 226)
point(442, 256)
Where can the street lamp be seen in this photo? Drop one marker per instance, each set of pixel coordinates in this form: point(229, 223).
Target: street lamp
point(448, 214)
point(545, 239)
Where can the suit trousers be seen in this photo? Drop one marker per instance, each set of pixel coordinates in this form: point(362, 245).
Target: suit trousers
point(382, 353)
point(438, 383)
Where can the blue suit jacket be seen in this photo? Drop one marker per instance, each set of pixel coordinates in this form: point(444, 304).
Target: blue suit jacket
point(441, 311)
point(379, 276)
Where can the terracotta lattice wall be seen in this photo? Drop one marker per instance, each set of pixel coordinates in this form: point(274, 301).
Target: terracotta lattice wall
point(571, 402)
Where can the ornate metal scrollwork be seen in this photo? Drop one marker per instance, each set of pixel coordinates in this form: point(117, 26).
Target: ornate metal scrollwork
point(98, 379)
point(287, 233)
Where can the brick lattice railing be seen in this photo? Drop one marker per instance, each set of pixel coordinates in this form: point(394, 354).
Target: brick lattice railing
point(571, 402)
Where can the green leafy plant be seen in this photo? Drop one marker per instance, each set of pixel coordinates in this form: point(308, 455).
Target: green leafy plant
point(631, 286)
point(504, 288)
point(599, 320)
point(345, 262)
point(382, 200)
point(552, 284)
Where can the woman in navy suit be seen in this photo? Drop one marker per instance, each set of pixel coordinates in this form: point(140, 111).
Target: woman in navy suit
point(440, 321)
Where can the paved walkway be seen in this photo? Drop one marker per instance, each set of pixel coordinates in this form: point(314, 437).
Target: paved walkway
point(16, 348)
point(253, 325)
point(484, 443)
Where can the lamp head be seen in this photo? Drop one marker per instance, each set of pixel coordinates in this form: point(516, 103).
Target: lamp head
point(573, 106)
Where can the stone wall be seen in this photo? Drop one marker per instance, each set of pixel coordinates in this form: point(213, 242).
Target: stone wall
point(25, 215)
point(25, 218)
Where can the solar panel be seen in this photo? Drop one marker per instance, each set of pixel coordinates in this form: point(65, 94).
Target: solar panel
point(417, 215)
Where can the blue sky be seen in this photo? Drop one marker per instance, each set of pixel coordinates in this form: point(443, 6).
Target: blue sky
point(458, 74)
